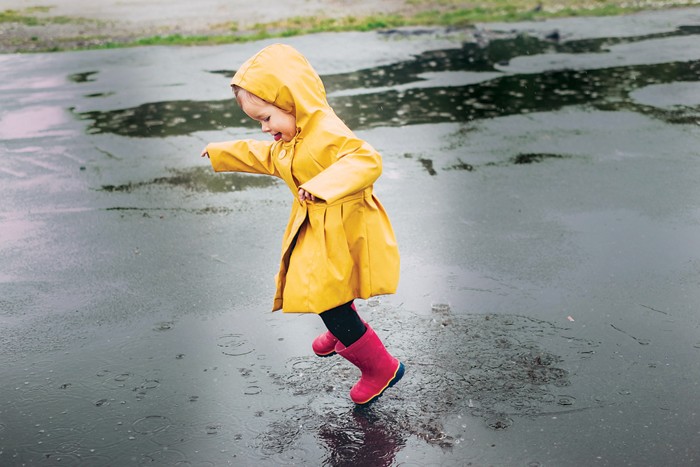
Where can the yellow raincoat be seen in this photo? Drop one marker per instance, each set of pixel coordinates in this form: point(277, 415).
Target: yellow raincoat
point(341, 246)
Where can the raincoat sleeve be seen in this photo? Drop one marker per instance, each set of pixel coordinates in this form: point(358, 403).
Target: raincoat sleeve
point(358, 167)
point(249, 156)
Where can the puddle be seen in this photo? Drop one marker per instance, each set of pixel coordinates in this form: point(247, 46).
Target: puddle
point(494, 371)
point(533, 158)
point(519, 159)
point(83, 77)
point(487, 366)
point(495, 368)
point(33, 122)
point(454, 85)
point(198, 179)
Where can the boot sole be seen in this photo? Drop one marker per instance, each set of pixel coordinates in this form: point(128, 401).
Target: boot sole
point(397, 376)
point(329, 354)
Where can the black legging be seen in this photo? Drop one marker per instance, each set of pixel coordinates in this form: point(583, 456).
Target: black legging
point(344, 323)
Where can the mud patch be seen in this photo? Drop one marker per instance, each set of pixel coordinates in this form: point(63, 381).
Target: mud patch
point(497, 368)
point(199, 179)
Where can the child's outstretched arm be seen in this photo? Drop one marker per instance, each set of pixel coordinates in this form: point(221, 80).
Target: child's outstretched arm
point(359, 167)
point(251, 156)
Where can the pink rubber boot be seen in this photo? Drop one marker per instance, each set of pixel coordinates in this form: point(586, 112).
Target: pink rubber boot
point(379, 369)
point(324, 345)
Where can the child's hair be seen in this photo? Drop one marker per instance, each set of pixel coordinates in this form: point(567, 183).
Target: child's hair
point(245, 95)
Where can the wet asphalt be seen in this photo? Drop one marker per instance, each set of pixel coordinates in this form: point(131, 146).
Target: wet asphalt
point(542, 182)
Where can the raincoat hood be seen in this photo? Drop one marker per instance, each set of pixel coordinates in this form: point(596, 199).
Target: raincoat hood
point(282, 76)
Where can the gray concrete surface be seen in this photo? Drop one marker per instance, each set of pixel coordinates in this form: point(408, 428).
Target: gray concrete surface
point(545, 199)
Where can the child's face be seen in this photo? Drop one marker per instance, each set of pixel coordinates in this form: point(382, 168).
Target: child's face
point(277, 122)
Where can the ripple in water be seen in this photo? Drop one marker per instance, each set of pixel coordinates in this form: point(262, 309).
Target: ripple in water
point(234, 345)
point(252, 390)
point(499, 422)
point(495, 367)
point(163, 457)
point(151, 424)
point(566, 400)
point(164, 326)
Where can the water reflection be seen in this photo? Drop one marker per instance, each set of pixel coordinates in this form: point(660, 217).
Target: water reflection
point(360, 438)
point(83, 77)
point(454, 85)
point(33, 122)
point(199, 179)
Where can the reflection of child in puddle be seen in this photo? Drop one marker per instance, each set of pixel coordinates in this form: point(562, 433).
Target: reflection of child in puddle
point(339, 244)
point(361, 439)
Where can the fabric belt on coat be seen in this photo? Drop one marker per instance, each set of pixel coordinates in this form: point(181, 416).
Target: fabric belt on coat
point(367, 192)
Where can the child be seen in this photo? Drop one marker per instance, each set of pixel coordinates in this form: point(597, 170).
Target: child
point(338, 244)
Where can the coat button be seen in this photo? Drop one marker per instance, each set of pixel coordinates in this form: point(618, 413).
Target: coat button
point(283, 153)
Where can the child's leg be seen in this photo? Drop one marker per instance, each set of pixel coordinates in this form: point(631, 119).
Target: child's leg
point(344, 323)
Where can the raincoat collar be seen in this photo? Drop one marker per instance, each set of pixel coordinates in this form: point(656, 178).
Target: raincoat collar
point(282, 76)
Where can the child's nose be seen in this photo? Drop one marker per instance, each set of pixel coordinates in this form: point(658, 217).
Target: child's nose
point(265, 127)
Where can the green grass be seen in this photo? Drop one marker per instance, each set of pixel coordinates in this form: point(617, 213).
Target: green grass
point(27, 17)
point(496, 10)
point(446, 13)
point(452, 15)
point(14, 16)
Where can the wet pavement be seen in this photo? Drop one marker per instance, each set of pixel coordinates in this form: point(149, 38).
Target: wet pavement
point(542, 181)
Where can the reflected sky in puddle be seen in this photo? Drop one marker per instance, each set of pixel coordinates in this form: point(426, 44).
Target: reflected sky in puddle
point(453, 85)
point(33, 122)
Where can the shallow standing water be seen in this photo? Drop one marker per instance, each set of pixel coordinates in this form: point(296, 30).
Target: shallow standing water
point(543, 187)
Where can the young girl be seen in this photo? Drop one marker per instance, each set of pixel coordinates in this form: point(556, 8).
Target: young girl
point(338, 244)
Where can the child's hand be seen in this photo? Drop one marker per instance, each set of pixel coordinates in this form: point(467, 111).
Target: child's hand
point(205, 153)
point(305, 195)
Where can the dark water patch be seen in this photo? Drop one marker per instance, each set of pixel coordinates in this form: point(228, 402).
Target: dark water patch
point(360, 438)
point(100, 94)
point(479, 56)
point(606, 89)
point(512, 95)
point(172, 118)
point(496, 368)
point(461, 165)
point(507, 95)
point(531, 158)
point(428, 166)
point(199, 179)
point(518, 159)
point(83, 77)
point(227, 73)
